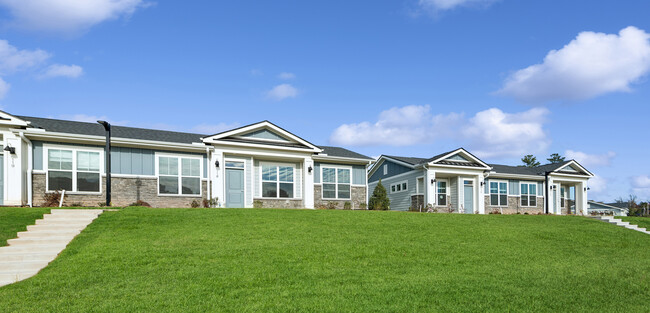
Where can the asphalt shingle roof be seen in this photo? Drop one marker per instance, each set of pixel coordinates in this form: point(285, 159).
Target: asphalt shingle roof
point(342, 152)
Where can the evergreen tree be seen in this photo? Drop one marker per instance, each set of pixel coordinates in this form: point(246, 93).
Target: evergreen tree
point(556, 158)
point(379, 199)
point(530, 161)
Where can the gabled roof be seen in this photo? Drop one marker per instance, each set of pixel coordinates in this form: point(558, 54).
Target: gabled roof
point(7, 119)
point(234, 136)
point(409, 160)
point(94, 129)
point(516, 170)
point(342, 153)
point(620, 205)
point(441, 159)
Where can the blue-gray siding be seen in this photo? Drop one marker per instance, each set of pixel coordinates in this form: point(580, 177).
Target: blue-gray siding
point(400, 201)
point(393, 169)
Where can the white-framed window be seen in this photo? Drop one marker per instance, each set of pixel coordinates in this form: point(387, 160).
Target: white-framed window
point(562, 197)
point(399, 187)
point(277, 180)
point(498, 193)
point(179, 175)
point(528, 194)
point(385, 169)
point(336, 182)
point(442, 189)
point(74, 169)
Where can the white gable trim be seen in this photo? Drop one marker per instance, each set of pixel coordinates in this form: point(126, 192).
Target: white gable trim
point(7, 119)
point(257, 126)
point(573, 162)
point(466, 154)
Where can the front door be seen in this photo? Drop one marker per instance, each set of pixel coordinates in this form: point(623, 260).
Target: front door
point(469, 196)
point(2, 178)
point(234, 188)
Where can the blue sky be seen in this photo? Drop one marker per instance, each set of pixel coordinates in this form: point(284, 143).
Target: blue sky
point(410, 77)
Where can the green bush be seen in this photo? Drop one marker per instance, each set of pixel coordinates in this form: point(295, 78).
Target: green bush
point(363, 206)
point(258, 204)
point(347, 205)
point(379, 199)
point(195, 204)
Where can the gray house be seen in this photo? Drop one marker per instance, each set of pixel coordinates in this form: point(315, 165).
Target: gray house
point(457, 181)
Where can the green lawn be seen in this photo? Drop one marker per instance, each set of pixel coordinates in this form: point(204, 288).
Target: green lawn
point(639, 221)
point(14, 220)
point(197, 260)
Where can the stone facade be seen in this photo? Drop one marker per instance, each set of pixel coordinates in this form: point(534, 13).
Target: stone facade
point(417, 203)
point(357, 197)
point(514, 206)
point(124, 192)
point(280, 203)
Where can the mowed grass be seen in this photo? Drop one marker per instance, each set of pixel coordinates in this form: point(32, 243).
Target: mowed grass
point(242, 260)
point(636, 220)
point(14, 220)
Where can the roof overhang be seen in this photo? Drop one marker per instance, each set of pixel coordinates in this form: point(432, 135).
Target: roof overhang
point(326, 158)
point(466, 154)
point(9, 120)
point(575, 163)
point(380, 161)
point(216, 139)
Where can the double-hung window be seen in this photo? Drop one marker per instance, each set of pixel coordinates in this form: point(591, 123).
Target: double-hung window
point(528, 194)
point(442, 192)
point(277, 181)
point(498, 193)
point(72, 170)
point(336, 183)
point(179, 176)
point(399, 187)
point(562, 197)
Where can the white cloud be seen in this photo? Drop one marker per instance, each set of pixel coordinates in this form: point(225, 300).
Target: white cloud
point(209, 129)
point(4, 88)
point(590, 65)
point(642, 181)
point(489, 133)
point(60, 70)
point(442, 5)
point(286, 76)
point(68, 16)
point(589, 160)
point(281, 92)
point(12, 59)
point(598, 184)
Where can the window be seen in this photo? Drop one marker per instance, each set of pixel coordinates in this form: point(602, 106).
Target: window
point(73, 170)
point(179, 176)
point(442, 192)
point(336, 183)
point(498, 193)
point(385, 169)
point(562, 197)
point(277, 181)
point(528, 194)
point(399, 187)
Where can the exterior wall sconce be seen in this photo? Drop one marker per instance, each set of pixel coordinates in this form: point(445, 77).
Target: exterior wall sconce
point(216, 163)
point(482, 183)
point(587, 188)
point(11, 150)
point(433, 181)
point(309, 169)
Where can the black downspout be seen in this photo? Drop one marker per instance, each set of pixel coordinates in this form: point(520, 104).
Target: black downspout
point(107, 127)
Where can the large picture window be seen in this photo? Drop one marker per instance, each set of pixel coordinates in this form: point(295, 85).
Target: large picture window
point(73, 170)
point(336, 183)
point(442, 192)
point(498, 193)
point(277, 181)
point(528, 194)
point(179, 176)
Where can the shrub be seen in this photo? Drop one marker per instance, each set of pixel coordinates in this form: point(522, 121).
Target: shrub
point(331, 205)
point(495, 211)
point(140, 203)
point(52, 199)
point(195, 204)
point(258, 204)
point(363, 206)
point(211, 203)
point(347, 205)
point(379, 199)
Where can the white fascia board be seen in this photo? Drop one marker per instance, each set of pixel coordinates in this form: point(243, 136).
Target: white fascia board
point(380, 161)
point(268, 153)
point(13, 121)
point(261, 146)
point(234, 132)
point(573, 162)
point(570, 176)
point(341, 159)
point(456, 152)
point(115, 141)
point(503, 175)
point(456, 171)
point(482, 169)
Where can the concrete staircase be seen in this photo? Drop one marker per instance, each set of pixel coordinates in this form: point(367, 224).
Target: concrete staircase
point(618, 222)
point(41, 243)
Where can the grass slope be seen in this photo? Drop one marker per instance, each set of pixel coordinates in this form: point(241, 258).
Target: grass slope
point(14, 220)
point(169, 260)
point(639, 221)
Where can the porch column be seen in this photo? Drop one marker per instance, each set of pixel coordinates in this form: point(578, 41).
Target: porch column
point(481, 194)
point(308, 187)
point(550, 201)
point(431, 187)
point(581, 198)
point(14, 183)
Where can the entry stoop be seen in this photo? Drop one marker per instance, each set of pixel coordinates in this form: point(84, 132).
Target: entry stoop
point(35, 248)
point(619, 222)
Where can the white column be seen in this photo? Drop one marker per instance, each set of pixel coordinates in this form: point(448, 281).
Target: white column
point(581, 198)
point(308, 187)
point(481, 194)
point(549, 197)
point(431, 187)
point(218, 177)
point(13, 183)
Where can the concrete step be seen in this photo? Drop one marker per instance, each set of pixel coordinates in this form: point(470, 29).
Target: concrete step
point(33, 249)
point(15, 276)
point(73, 222)
point(65, 227)
point(68, 217)
point(27, 257)
point(17, 266)
point(75, 211)
point(48, 233)
point(54, 240)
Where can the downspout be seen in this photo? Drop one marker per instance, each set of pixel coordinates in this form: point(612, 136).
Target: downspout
point(207, 152)
point(30, 168)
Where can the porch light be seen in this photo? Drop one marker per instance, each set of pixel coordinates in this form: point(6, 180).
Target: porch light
point(587, 188)
point(216, 163)
point(482, 183)
point(11, 150)
point(433, 181)
point(309, 169)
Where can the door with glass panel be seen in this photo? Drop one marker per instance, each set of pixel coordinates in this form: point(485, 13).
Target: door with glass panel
point(468, 187)
point(235, 184)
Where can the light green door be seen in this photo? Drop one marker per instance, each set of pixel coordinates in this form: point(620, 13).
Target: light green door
point(2, 179)
point(469, 196)
point(234, 188)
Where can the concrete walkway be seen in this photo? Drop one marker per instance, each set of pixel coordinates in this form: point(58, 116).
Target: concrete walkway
point(41, 243)
point(619, 222)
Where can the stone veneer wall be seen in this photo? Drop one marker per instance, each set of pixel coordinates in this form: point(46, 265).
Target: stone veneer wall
point(124, 192)
point(280, 203)
point(514, 207)
point(358, 196)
